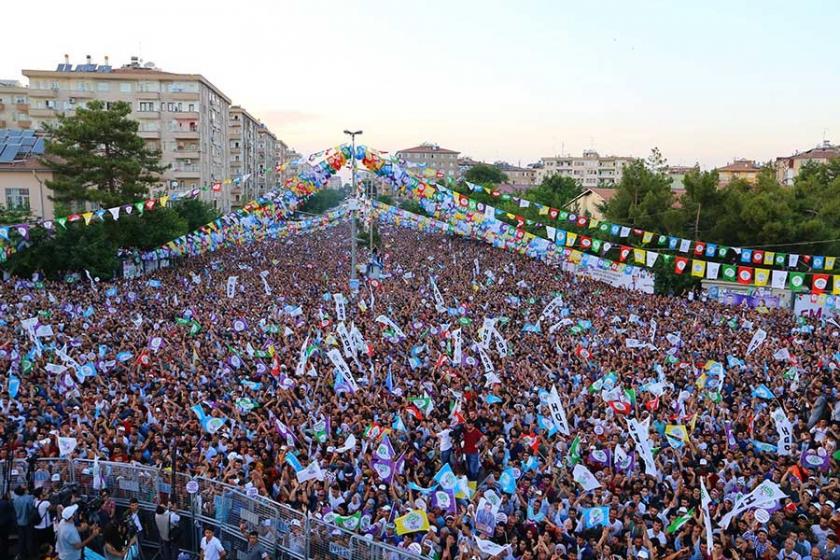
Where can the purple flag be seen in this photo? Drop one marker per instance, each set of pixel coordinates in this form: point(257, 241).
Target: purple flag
point(812, 459)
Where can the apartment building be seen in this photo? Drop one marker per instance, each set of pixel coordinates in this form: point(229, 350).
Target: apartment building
point(788, 167)
point(14, 105)
point(745, 169)
point(589, 170)
point(242, 144)
point(266, 160)
point(518, 175)
point(22, 175)
point(431, 157)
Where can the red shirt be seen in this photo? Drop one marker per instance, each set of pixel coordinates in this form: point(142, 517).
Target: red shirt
point(471, 438)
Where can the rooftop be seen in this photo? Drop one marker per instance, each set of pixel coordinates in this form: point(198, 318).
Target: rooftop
point(742, 165)
point(823, 151)
point(427, 149)
point(19, 145)
point(504, 166)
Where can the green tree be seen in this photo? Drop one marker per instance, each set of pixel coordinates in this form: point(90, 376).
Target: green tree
point(77, 248)
point(149, 231)
point(13, 215)
point(196, 212)
point(322, 201)
point(97, 156)
point(643, 197)
point(555, 191)
point(701, 203)
point(485, 174)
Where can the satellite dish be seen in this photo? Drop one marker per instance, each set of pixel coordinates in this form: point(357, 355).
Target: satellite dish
point(149, 65)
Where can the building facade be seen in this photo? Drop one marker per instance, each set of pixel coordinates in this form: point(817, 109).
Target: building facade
point(266, 160)
point(14, 105)
point(745, 169)
point(242, 143)
point(22, 175)
point(184, 116)
point(431, 157)
point(590, 202)
point(589, 170)
point(518, 175)
point(788, 167)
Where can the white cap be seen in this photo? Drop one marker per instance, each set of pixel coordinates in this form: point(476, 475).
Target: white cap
point(68, 512)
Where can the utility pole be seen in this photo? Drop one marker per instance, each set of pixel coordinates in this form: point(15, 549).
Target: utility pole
point(355, 205)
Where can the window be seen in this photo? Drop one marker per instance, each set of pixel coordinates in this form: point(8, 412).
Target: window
point(103, 86)
point(191, 107)
point(146, 106)
point(125, 87)
point(17, 198)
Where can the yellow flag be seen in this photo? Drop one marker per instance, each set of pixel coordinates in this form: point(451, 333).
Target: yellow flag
point(639, 256)
point(575, 256)
point(164, 200)
point(829, 263)
point(677, 431)
point(570, 239)
point(769, 257)
point(693, 422)
point(836, 290)
point(87, 216)
point(762, 276)
point(412, 522)
point(647, 237)
point(698, 268)
point(543, 211)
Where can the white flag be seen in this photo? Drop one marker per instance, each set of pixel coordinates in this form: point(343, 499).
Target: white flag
point(757, 339)
point(311, 472)
point(650, 258)
point(266, 287)
point(785, 431)
point(705, 500)
point(782, 355)
point(66, 445)
point(457, 355)
point(640, 432)
point(231, 286)
point(765, 493)
point(712, 270)
point(585, 478)
point(779, 279)
point(557, 413)
point(489, 547)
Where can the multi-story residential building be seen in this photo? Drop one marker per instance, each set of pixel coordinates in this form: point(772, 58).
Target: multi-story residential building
point(431, 156)
point(518, 175)
point(242, 143)
point(266, 160)
point(589, 170)
point(745, 169)
point(788, 167)
point(677, 174)
point(22, 175)
point(14, 105)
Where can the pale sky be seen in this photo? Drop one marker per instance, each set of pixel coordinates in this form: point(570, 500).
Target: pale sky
point(513, 80)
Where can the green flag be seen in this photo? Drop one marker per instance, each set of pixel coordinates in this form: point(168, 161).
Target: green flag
point(631, 395)
point(729, 272)
point(195, 328)
point(680, 521)
point(796, 281)
point(573, 458)
point(349, 522)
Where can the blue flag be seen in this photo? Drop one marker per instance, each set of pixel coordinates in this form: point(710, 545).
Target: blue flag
point(596, 517)
point(14, 385)
point(507, 482)
point(762, 392)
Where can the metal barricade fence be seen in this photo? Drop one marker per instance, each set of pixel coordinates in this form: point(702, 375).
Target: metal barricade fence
point(287, 533)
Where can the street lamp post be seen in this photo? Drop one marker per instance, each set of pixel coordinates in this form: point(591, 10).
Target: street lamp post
point(355, 205)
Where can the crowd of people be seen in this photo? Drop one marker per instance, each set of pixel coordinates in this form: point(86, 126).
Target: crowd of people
point(418, 410)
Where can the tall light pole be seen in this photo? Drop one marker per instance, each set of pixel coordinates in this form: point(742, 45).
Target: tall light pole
point(355, 205)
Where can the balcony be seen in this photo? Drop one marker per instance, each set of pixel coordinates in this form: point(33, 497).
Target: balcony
point(48, 93)
point(22, 107)
point(149, 134)
point(181, 95)
point(42, 112)
point(185, 133)
point(24, 124)
point(143, 95)
point(187, 153)
point(2, 106)
point(183, 115)
point(82, 94)
point(186, 172)
point(147, 115)
point(2, 123)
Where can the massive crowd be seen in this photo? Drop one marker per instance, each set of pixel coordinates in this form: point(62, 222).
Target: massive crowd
point(237, 375)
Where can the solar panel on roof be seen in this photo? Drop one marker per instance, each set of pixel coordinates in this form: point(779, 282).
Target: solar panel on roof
point(104, 68)
point(9, 154)
point(38, 148)
point(28, 142)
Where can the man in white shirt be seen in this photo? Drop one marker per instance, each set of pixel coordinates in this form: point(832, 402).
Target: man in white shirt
point(211, 547)
point(44, 523)
point(445, 444)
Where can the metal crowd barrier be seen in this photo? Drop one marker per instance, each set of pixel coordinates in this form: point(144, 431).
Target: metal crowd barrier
point(217, 505)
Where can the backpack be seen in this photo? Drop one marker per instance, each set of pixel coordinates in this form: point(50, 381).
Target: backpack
point(33, 517)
